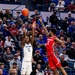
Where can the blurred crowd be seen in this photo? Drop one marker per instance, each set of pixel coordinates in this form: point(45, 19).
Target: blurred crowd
point(51, 5)
point(45, 5)
point(10, 1)
point(10, 41)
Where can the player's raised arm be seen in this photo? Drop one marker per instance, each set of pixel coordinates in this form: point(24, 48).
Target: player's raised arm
point(33, 25)
point(24, 36)
point(58, 40)
point(46, 31)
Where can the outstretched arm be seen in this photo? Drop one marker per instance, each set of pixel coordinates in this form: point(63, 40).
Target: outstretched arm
point(58, 40)
point(46, 31)
point(24, 36)
point(33, 25)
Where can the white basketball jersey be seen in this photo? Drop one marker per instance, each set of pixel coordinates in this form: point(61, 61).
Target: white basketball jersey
point(27, 51)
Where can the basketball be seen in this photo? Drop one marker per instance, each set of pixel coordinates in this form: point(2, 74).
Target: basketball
point(25, 12)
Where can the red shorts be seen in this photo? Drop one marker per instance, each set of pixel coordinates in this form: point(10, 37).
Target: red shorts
point(53, 62)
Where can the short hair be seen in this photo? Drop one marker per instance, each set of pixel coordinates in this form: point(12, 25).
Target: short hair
point(14, 63)
point(53, 30)
point(2, 63)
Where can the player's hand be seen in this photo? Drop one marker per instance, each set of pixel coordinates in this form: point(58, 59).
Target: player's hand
point(39, 61)
point(8, 60)
point(34, 24)
point(63, 43)
point(40, 19)
point(24, 29)
point(36, 70)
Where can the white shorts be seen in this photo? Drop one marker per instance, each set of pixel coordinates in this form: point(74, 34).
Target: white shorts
point(26, 68)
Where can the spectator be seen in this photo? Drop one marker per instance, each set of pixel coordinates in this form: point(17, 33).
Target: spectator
point(61, 34)
point(66, 57)
point(12, 72)
point(41, 41)
point(73, 36)
point(8, 56)
point(64, 63)
point(44, 36)
point(4, 20)
point(71, 28)
point(41, 44)
point(1, 49)
point(14, 32)
point(37, 57)
point(1, 43)
point(62, 2)
point(19, 37)
point(39, 70)
point(52, 7)
point(19, 55)
point(7, 14)
point(36, 35)
point(71, 51)
point(1, 56)
point(71, 7)
point(17, 16)
point(14, 66)
point(29, 28)
point(53, 19)
point(8, 42)
point(2, 66)
point(34, 18)
point(67, 2)
point(64, 24)
point(60, 7)
point(21, 29)
point(46, 4)
point(47, 67)
point(1, 72)
point(38, 26)
point(1, 23)
point(38, 4)
point(70, 18)
point(48, 70)
point(1, 14)
point(55, 1)
point(19, 23)
point(6, 31)
point(36, 12)
point(68, 43)
point(48, 1)
point(58, 48)
point(15, 60)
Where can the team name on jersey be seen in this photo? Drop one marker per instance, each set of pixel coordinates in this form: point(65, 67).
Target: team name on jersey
point(50, 39)
point(28, 46)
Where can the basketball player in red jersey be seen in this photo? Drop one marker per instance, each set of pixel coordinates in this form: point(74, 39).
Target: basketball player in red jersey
point(53, 61)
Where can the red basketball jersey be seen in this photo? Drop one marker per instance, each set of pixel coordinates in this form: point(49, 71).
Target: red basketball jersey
point(50, 45)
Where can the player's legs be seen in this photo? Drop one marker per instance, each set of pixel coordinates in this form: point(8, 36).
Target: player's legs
point(55, 72)
point(62, 70)
point(29, 68)
point(58, 65)
point(23, 69)
point(53, 66)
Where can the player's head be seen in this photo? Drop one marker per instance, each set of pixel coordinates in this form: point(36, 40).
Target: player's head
point(27, 39)
point(52, 31)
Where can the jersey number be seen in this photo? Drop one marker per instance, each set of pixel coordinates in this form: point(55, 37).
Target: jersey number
point(28, 49)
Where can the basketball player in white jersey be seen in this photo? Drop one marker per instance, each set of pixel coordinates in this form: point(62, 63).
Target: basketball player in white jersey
point(27, 45)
